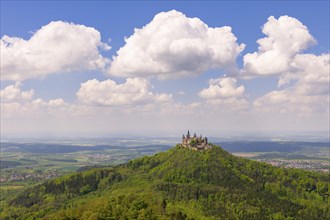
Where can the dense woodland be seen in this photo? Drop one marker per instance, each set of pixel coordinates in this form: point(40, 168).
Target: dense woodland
point(178, 184)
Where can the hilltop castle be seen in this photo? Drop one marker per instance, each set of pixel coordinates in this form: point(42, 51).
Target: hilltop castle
point(194, 142)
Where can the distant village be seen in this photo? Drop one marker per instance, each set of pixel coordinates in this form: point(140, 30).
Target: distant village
point(194, 142)
point(36, 176)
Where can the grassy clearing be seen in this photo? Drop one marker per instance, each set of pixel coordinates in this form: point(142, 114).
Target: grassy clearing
point(11, 187)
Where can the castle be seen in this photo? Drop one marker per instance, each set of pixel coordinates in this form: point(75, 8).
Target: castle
point(194, 142)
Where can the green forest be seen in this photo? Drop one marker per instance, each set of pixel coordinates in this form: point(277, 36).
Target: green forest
point(177, 184)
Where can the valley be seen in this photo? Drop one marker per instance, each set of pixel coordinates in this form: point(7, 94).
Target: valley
point(25, 163)
point(179, 183)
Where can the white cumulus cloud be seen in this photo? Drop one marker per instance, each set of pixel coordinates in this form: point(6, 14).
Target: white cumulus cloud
point(286, 37)
point(222, 88)
point(226, 93)
point(36, 108)
point(172, 46)
point(56, 47)
point(312, 75)
point(309, 92)
point(13, 93)
point(109, 93)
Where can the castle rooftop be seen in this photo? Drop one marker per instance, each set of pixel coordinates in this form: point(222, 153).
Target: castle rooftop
point(194, 142)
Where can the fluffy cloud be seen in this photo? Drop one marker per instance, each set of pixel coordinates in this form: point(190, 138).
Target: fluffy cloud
point(172, 46)
point(312, 74)
point(13, 93)
point(303, 78)
point(17, 103)
point(36, 108)
point(57, 47)
point(286, 37)
point(310, 91)
point(225, 92)
point(222, 88)
point(133, 91)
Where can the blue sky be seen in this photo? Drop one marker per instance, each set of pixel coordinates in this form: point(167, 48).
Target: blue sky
point(115, 20)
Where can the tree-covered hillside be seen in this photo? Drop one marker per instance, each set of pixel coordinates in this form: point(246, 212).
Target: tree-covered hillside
point(178, 184)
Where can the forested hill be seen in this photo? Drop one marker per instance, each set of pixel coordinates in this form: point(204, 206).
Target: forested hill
point(178, 184)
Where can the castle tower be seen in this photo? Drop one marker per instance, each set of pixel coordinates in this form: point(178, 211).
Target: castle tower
point(195, 142)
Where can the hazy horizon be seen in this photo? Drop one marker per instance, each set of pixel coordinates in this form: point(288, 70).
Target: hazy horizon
point(322, 136)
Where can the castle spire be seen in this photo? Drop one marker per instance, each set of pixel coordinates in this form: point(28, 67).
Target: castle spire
point(195, 143)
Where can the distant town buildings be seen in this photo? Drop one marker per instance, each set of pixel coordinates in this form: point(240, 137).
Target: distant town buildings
point(194, 142)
